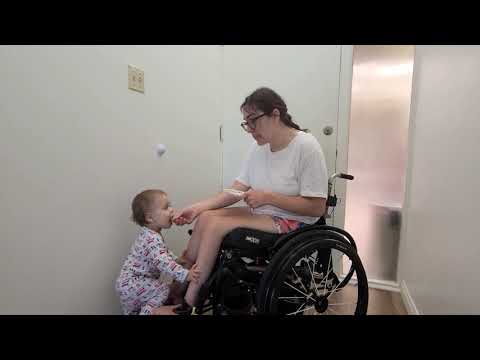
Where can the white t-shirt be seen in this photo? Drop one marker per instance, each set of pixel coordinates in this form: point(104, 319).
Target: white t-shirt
point(297, 170)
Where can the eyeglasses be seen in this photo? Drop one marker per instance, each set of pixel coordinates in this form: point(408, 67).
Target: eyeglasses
point(249, 125)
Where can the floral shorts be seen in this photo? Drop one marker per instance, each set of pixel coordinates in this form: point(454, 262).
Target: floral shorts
point(285, 225)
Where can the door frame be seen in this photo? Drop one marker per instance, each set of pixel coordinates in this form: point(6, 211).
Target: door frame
point(343, 127)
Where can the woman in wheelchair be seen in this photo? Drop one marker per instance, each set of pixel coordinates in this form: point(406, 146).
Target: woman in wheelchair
point(284, 183)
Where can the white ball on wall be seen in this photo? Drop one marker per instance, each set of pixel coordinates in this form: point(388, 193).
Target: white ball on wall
point(160, 150)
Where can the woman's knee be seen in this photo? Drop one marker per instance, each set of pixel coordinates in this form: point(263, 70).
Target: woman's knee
point(216, 231)
point(213, 226)
point(205, 219)
point(203, 226)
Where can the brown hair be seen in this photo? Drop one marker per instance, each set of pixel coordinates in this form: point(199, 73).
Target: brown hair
point(266, 100)
point(142, 203)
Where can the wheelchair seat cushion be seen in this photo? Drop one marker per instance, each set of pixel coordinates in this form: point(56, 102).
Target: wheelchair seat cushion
point(246, 239)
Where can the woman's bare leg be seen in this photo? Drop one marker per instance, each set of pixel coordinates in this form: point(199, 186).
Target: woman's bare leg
point(204, 219)
point(195, 240)
point(211, 235)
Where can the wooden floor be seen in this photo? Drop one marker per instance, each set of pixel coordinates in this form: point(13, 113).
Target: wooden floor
point(380, 302)
point(383, 302)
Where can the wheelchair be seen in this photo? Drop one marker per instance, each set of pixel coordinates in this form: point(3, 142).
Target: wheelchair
point(260, 273)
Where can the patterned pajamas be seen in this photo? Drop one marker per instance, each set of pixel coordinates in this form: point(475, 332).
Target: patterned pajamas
point(142, 284)
point(139, 295)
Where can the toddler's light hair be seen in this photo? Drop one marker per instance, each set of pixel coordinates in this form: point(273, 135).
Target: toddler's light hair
point(142, 203)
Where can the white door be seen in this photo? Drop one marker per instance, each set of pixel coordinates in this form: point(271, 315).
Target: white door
point(308, 79)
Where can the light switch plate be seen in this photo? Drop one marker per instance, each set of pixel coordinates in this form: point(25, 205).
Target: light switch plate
point(136, 79)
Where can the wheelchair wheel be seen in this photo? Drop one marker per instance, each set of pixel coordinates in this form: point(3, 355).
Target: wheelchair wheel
point(297, 285)
point(323, 232)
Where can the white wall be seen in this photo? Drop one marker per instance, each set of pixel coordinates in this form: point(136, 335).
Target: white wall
point(75, 147)
point(440, 244)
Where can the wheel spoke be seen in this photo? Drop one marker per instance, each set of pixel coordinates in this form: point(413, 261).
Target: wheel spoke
point(300, 291)
point(313, 279)
point(290, 297)
point(330, 293)
point(301, 306)
point(299, 279)
point(292, 300)
point(296, 312)
point(326, 276)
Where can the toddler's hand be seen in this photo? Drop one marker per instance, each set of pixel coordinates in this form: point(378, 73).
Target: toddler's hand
point(194, 274)
point(182, 259)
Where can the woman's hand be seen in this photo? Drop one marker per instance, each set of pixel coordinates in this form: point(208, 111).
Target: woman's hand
point(186, 215)
point(255, 198)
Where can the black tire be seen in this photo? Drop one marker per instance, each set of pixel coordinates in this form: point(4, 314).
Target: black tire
point(278, 295)
point(346, 238)
point(326, 231)
point(342, 232)
point(285, 251)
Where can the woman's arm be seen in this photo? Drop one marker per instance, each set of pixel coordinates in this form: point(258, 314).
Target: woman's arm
point(301, 205)
point(222, 199)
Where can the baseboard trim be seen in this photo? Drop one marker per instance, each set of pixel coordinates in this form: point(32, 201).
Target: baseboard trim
point(408, 300)
point(378, 284)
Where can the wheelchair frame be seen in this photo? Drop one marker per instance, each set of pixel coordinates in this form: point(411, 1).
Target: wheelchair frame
point(250, 281)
